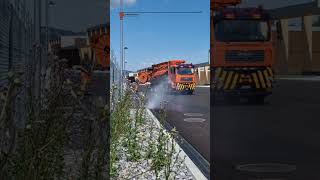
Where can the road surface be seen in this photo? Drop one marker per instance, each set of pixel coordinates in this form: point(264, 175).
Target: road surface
point(190, 115)
point(284, 131)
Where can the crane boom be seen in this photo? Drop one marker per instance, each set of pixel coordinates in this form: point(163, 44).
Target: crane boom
point(156, 70)
point(175, 74)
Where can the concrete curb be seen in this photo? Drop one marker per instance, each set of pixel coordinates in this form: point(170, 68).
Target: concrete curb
point(195, 171)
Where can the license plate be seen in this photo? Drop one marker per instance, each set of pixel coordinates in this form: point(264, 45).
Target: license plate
point(245, 87)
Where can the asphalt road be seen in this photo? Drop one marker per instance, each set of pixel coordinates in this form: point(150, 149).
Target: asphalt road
point(190, 115)
point(284, 131)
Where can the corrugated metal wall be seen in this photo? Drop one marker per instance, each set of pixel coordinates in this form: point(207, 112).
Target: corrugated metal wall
point(15, 48)
point(4, 39)
point(297, 62)
point(15, 38)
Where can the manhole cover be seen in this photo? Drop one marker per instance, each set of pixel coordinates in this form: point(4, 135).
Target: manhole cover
point(267, 168)
point(194, 120)
point(193, 114)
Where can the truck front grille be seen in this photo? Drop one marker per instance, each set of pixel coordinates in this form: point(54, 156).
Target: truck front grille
point(186, 79)
point(248, 56)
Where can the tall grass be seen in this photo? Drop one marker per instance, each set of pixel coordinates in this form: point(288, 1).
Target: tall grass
point(56, 140)
point(127, 119)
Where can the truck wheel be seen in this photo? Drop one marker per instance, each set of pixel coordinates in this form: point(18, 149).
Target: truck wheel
point(190, 92)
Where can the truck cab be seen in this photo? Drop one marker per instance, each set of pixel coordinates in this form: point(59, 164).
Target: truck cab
point(242, 52)
point(182, 77)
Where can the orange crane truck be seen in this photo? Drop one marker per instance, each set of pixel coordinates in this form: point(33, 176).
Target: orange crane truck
point(175, 75)
point(99, 37)
point(241, 51)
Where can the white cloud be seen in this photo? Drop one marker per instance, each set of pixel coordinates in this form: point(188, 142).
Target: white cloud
point(116, 3)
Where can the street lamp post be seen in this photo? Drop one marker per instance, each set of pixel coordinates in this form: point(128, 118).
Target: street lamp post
point(124, 58)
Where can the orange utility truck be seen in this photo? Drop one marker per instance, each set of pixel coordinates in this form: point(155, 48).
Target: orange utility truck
point(175, 75)
point(242, 51)
point(99, 38)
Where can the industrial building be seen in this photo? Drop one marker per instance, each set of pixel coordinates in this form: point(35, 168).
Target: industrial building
point(202, 71)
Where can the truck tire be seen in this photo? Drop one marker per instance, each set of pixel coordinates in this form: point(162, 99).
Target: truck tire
point(190, 92)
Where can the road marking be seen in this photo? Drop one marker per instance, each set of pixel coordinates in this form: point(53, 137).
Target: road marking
point(194, 120)
point(315, 78)
point(267, 168)
point(204, 86)
point(193, 114)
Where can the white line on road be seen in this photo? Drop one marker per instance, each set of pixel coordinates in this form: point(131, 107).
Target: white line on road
point(203, 86)
point(193, 114)
point(309, 78)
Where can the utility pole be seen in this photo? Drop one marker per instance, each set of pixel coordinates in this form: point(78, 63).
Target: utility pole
point(121, 46)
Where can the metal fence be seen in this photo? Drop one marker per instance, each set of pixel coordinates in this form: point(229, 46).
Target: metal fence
point(114, 80)
point(15, 38)
point(15, 47)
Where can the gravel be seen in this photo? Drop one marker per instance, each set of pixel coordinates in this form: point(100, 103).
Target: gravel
point(148, 133)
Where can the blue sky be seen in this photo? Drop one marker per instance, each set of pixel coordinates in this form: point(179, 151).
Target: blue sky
point(153, 38)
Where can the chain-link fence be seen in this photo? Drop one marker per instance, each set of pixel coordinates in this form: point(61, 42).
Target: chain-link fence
point(114, 79)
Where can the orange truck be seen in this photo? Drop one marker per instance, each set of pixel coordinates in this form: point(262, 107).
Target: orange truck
point(242, 51)
point(175, 75)
point(99, 38)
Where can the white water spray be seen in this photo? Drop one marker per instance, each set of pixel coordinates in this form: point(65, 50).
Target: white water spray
point(157, 95)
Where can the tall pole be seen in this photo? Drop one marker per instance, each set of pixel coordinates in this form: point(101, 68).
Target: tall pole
point(47, 27)
point(124, 58)
point(34, 43)
point(40, 49)
point(121, 46)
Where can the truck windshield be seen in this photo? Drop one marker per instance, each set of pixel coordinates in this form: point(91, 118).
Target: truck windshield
point(185, 71)
point(242, 31)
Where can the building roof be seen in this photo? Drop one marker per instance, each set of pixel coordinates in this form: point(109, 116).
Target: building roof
point(306, 9)
point(202, 64)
